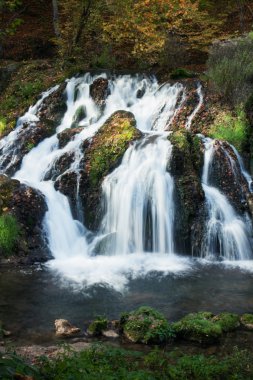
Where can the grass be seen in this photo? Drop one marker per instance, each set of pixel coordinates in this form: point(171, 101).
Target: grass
point(231, 128)
point(9, 232)
point(107, 363)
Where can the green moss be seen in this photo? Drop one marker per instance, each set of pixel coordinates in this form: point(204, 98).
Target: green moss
point(109, 145)
point(228, 321)
point(2, 125)
point(146, 325)
point(30, 146)
point(179, 139)
point(247, 319)
point(98, 326)
point(231, 128)
point(182, 73)
point(9, 232)
point(204, 327)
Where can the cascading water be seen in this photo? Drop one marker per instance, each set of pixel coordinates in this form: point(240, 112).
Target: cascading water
point(226, 234)
point(136, 233)
point(139, 200)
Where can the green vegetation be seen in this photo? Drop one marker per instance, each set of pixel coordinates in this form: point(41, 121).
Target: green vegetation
point(231, 128)
point(204, 327)
point(110, 144)
point(107, 363)
point(230, 69)
point(9, 232)
point(2, 125)
point(181, 73)
point(146, 325)
point(247, 319)
point(98, 326)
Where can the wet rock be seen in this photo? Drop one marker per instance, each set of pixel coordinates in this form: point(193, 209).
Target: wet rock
point(60, 166)
point(67, 135)
point(111, 334)
point(27, 207)
point(99, 91)
point(64, 329)
point(67, 184)
point(247, 321)
point(30, 135)
point(103, 154)
point(185, 107)
point(146, 325)
point(185, 166)
point(225, 174)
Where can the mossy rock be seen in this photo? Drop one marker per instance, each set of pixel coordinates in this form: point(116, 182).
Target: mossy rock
point(101, 156)
point(185, 166)
point(98, 326)
point(146, 325)
point(110, 144)
point(247, 321)
point(204, 327)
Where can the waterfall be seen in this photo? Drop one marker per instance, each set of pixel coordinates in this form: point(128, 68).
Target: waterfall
point(196, 110)
point(138, 199)
point(226, 234)
point(136, 233)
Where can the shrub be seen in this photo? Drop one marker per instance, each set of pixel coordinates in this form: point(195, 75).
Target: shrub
point(231, 128)
point(9, 231)
point(98, 326)
point(230, 69)
point(13, 367)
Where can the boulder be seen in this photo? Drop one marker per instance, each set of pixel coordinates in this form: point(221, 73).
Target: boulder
point(64, 329)
point(204, 327)
point(225, 174)
point(146, 325)
point(22, 210)
point(99, 91)
point(67, 135)
point(101, 155)
point(247, 321)
point(186, 166)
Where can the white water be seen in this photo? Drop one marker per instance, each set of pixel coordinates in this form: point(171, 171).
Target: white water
point(143, 170)
point(196, 110)
point(139, 200)
point(226, 233)
point(136, 235)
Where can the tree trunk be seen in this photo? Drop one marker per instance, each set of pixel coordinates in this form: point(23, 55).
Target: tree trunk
point(83, 17)
point(56, 18)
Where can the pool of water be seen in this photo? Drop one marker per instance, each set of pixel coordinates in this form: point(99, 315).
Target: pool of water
point(32, 298)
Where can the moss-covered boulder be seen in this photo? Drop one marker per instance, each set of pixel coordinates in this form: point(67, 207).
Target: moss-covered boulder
point(185, 166)
point(22, 210)
point(97, 327)
point(204, 327)
point(247, 321)
point(101, 155)
point(146, 325)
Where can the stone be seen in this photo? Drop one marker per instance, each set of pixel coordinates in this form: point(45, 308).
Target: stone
point(110, 334)
point(64, 329)
point(99, 91)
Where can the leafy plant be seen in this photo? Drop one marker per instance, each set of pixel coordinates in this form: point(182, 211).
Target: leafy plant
point(98, 325)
